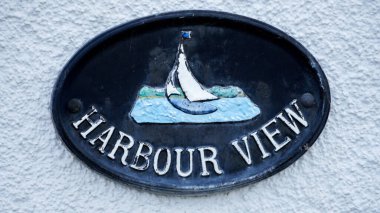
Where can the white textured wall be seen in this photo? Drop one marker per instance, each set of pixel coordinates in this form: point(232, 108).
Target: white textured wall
point(340, 173)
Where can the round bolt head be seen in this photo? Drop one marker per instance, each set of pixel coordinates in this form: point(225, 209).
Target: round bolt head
point(307, 100)
point(74, 105)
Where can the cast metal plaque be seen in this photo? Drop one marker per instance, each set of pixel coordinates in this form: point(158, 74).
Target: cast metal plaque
point(191, 101)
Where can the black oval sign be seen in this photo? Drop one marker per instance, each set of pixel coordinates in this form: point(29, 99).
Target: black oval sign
point(191, 101)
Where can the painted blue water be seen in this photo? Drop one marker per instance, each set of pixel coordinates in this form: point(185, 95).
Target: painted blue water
point(159, 110)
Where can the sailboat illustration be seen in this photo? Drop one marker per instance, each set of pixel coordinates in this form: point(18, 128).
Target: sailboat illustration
point(185, 100)
point(192, 89)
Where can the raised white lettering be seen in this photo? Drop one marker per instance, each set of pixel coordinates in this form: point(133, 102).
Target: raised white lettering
point(125, 147)
point(144, 155)
point(178, 163)
point(210, 159)
point(246, 156)
point(167, 163)
point(264, 153)
point(108, 134)
point(291, 114)
point(93, 124)
point(270, 136)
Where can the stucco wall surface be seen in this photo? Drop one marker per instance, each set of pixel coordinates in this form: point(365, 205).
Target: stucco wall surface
point(340, 173)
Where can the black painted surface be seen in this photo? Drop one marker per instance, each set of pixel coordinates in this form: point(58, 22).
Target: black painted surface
point(269, 66)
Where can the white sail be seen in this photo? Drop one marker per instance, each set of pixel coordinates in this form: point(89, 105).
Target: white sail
point(193, 90)
point(170, 86)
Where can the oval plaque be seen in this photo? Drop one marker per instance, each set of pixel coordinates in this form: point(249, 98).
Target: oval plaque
point(191, 101)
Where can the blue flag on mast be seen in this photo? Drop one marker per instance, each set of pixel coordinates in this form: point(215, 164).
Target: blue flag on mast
point(186, 34)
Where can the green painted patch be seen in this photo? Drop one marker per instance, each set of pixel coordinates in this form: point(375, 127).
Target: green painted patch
point(226, 92)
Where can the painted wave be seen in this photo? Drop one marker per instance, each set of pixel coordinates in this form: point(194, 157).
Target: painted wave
point(219, 91)
point(233, 105)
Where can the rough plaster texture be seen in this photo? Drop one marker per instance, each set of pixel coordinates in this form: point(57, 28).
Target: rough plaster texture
point(340, 173)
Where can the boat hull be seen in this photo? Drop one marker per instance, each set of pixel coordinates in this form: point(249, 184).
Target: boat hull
point(194, 108)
